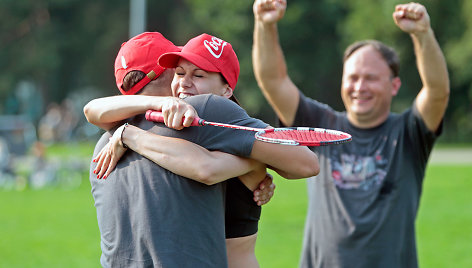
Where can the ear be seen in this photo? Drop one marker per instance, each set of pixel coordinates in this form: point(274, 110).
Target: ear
point(228, 92)
point(396, 83)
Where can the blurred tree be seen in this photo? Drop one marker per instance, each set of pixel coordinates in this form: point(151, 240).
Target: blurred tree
point(60, 45)
point(457, 31)
point(64, 46)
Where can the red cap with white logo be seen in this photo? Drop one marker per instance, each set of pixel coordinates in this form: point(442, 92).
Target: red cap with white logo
point(208, 53)
point(140, 54)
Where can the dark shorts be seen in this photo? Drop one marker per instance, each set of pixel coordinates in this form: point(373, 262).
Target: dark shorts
point(242, 213)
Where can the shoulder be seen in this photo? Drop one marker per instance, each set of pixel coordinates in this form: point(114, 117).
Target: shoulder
point(204, 100)
point(311, 112)
point(216, 108)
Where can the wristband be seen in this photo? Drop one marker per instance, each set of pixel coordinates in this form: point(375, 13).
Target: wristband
point(121, 137)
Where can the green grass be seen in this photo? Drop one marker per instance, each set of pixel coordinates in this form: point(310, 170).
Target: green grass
point(444, 223)
point(48, 228)
point(57, 227)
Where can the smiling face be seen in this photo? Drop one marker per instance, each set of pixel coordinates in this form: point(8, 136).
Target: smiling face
point(190, 80)
point(367, 88)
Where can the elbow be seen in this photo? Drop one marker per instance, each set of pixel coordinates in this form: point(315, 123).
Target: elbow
point(96, 117)
point(315, 169)
point(207, 180)
point(315, 165)
point(203, 178)
point(206, 176)
point(308, 168)
point(87, 112)
point(446, 92)
point(90, 113)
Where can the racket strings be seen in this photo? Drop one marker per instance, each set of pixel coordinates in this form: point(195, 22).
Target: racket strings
point(300, 135)
point(310, 137)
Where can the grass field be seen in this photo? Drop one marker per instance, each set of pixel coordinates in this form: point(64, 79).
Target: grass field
point(57, 227)
point(444, 223)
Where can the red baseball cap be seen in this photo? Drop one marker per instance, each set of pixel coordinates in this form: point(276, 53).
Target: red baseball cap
point(140, 53)
point(208, 53)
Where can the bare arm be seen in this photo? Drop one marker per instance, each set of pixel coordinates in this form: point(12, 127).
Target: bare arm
point(194, 161)
point(189, 159)
point(270, 68)
point(108, 112)
point(291, 162)
point(433, 98)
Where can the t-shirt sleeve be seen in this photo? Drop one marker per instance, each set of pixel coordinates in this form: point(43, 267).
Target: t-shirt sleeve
point(420, 135)
point(219, 109)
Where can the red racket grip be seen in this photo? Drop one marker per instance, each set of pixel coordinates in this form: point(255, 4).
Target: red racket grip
point(156, 116)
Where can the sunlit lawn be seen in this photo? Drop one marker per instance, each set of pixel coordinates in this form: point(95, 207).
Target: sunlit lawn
point(444, 224)
point(57, 227)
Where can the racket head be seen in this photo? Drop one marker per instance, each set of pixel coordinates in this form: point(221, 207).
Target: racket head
point(303, 136)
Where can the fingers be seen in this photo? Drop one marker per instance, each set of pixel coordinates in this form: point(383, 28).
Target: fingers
point(265, 191)
point(174, 120)
point(108, 158)
point(101, 161)
point(263, 197)
point(269, 11)
point(111, 167)
point(178, 114)
point(266, 182)
point(412, 11)
point(412, 18)
point(189, 116)
point(103, 167)
point(280, 4)
point(99, 154)
point(271, 4)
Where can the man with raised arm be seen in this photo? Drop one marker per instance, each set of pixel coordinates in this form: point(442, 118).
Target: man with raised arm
point(364, 202)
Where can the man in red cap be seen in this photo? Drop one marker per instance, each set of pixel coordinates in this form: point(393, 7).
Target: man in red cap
point(136, 63)
point(155, 217)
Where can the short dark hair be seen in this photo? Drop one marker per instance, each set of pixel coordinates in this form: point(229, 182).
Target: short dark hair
point(131, 79)
point(388, 53)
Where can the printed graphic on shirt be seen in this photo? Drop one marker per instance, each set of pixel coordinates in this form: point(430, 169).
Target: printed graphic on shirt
point(352, 171)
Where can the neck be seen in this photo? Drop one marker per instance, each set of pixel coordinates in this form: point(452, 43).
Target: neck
point(364, 122)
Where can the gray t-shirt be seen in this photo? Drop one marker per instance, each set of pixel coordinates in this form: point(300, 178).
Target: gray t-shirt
point(363, 204)
point(151, 217)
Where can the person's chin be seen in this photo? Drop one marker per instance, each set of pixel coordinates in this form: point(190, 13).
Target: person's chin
point(359, 110)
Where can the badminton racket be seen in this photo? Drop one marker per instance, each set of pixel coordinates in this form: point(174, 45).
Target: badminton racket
point(303, 136)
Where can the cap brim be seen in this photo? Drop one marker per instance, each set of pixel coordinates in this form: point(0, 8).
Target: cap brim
point(170, 60)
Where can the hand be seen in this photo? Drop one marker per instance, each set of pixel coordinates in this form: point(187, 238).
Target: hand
point(265, 191)
point(269, 11)
point(109, 156)
point(178, 113)
point(412, 18)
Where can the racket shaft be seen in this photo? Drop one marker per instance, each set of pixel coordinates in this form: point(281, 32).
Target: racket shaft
point(304, 136)
point(156, 116)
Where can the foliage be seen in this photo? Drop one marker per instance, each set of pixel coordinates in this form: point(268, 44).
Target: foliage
point(60, 45)
point(64, 46)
